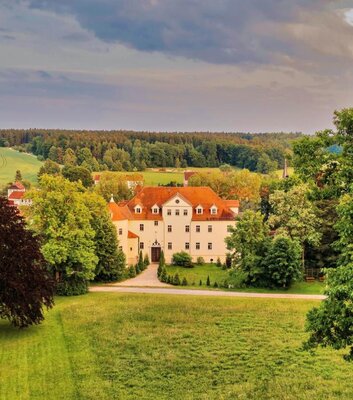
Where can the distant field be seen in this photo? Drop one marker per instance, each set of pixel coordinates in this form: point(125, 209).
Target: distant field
point(149, 347)
point(11, 160)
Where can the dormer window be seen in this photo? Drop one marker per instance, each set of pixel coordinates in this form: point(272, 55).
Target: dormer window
point(214, 210)
point(199, 210)
point(155, 209)
point(138, 209)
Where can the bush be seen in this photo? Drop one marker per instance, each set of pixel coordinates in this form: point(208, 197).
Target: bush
point(219, 263)
point(182, 259)
point(215, 285)
point(131, 271)
point(208, 282)
point(137, 269)
point(163, 277)
point(224, 266)
point(73, 286)
point(176, 280)
point(200, 261)
point(146, 260)
point(238, 279)
point(229, 261)
point(184, 282)
point(200, 283)
point(141, 264)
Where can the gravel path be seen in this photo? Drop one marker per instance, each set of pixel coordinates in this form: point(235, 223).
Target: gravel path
point(189, 292)
point(147, 278)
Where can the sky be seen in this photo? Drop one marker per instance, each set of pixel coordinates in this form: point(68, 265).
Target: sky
point(175, 65)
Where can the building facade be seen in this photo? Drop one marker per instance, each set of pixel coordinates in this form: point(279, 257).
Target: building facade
point(191, 219)
point(15, 195)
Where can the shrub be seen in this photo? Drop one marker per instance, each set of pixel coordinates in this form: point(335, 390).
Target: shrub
point(169, 279)
point(131, 271)
point(224, 266)
point(182, 259)
point(184, 282)
point(219, 263)
point(146, 260)
point(215, 285)
point(141, 264)
point(161, 264)
point(73, 286)
point(208, 282)
point(137, 269)
point(200, 283)
point(238, 278)
point(200, 261)
point(229, 261)
point(164, 277)
point(176, 280)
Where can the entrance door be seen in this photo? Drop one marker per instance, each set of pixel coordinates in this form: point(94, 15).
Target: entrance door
point(156, 254)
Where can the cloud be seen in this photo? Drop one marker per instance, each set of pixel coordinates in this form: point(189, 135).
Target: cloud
point(220, 32)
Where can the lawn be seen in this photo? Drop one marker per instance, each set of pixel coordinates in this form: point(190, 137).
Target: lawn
point(199, 272)
point(135, 346)
point(11, 160)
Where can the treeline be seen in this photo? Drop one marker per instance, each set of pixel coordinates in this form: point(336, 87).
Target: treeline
point(128, 150)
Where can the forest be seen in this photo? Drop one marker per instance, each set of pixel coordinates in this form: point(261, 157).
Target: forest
point(128, 150)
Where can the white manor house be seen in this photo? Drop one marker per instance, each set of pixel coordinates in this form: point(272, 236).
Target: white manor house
point(174, 219)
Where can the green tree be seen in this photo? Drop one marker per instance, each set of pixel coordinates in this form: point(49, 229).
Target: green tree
point(25, 285)
point(49, 168)
point(111, 260)
point(70, 159)
point(146, 260)
point(140, 262)
point(161, 263)
point(247, 243)
point(76, 174)
point(62, 219)
point(282, 262)
point(295, 215)
point(18, 176)
point(110, 184)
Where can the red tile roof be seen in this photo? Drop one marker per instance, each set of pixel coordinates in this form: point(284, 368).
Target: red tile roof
point(232, 203)
point(96, 178)
point(132, 235)
point(16, 195)
point(188, 174)
point(149, 196)
point(17, 186)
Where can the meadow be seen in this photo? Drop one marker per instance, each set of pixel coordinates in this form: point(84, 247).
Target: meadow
point(11, 160)
point(129, 346)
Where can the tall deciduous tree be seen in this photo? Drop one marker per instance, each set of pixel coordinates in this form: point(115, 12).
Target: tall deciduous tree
point(49, 168)
point(110, 184)
point(25, 285)
point(75, 174)
point(61, 217)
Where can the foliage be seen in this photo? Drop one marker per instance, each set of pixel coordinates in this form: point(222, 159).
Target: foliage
point(176, 280)
point(49, 168)
point(25, 285)
point(131, 271)
point(63, 220)
point(182, 259)
point(208, 282)
point(161, 263)
point(111, 185)
point(184, 282)
point(219, 263)
point(282, 262)
point(72, 286)
point(140, 262)
point(200, 261)
point(146, 261)
point(76, 174)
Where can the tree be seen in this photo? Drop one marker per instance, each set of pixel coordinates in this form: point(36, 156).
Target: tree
point(146, 260)
point(111, 260)
point(182, 259)
point(110, 184)
point(295, 215)
point(140, 262)
point(70, 159)
point(25, 285)
point(62, 219)
point(282, 262)
point(49, 168)
point(76, 174)
point(208, 282)
point(161, 263)
point(18, 176)
point(247, 243)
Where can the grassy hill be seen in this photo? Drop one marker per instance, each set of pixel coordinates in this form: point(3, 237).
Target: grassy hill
point(11, 160)
point(136, 346)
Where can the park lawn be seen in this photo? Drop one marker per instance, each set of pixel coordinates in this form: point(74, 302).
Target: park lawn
point(139, 346)
point(199, 272)
point(12, 160)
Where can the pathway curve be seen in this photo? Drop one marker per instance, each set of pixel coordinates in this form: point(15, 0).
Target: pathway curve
point(119, 288)
point(147, 278)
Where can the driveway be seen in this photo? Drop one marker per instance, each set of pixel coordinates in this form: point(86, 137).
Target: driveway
point(147, 278)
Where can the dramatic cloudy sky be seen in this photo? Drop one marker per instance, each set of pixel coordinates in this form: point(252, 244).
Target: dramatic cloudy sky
point(224, 65)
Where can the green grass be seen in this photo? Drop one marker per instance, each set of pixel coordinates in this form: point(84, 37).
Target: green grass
point(120, 346)
point(199, 272)
point(11, 160)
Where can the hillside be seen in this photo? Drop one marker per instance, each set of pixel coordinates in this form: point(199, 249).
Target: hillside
point(11, 160)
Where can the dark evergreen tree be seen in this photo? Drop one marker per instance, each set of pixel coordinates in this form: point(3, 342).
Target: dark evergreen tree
point(208, 282)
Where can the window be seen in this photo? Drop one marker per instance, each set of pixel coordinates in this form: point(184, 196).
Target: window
point(187, 246)
point(169, 212)
point(120, 247)
point(155, 211)
point(187, 228)
point(120, 231)
point(214, 210)
point(177, 201)
point(138, 210)
point(198, 229)
point(197, 246)
point(169, 228)
point(210, 228)
point(142, 227)
point(170, 246)
point(177, 212)
point(185, 212)
point(155, 223)
point(199, 210)
point(142, 245)
point(209, 246)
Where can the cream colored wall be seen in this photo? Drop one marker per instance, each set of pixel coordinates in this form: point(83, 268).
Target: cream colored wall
point(133, 251)
point(123, 240)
